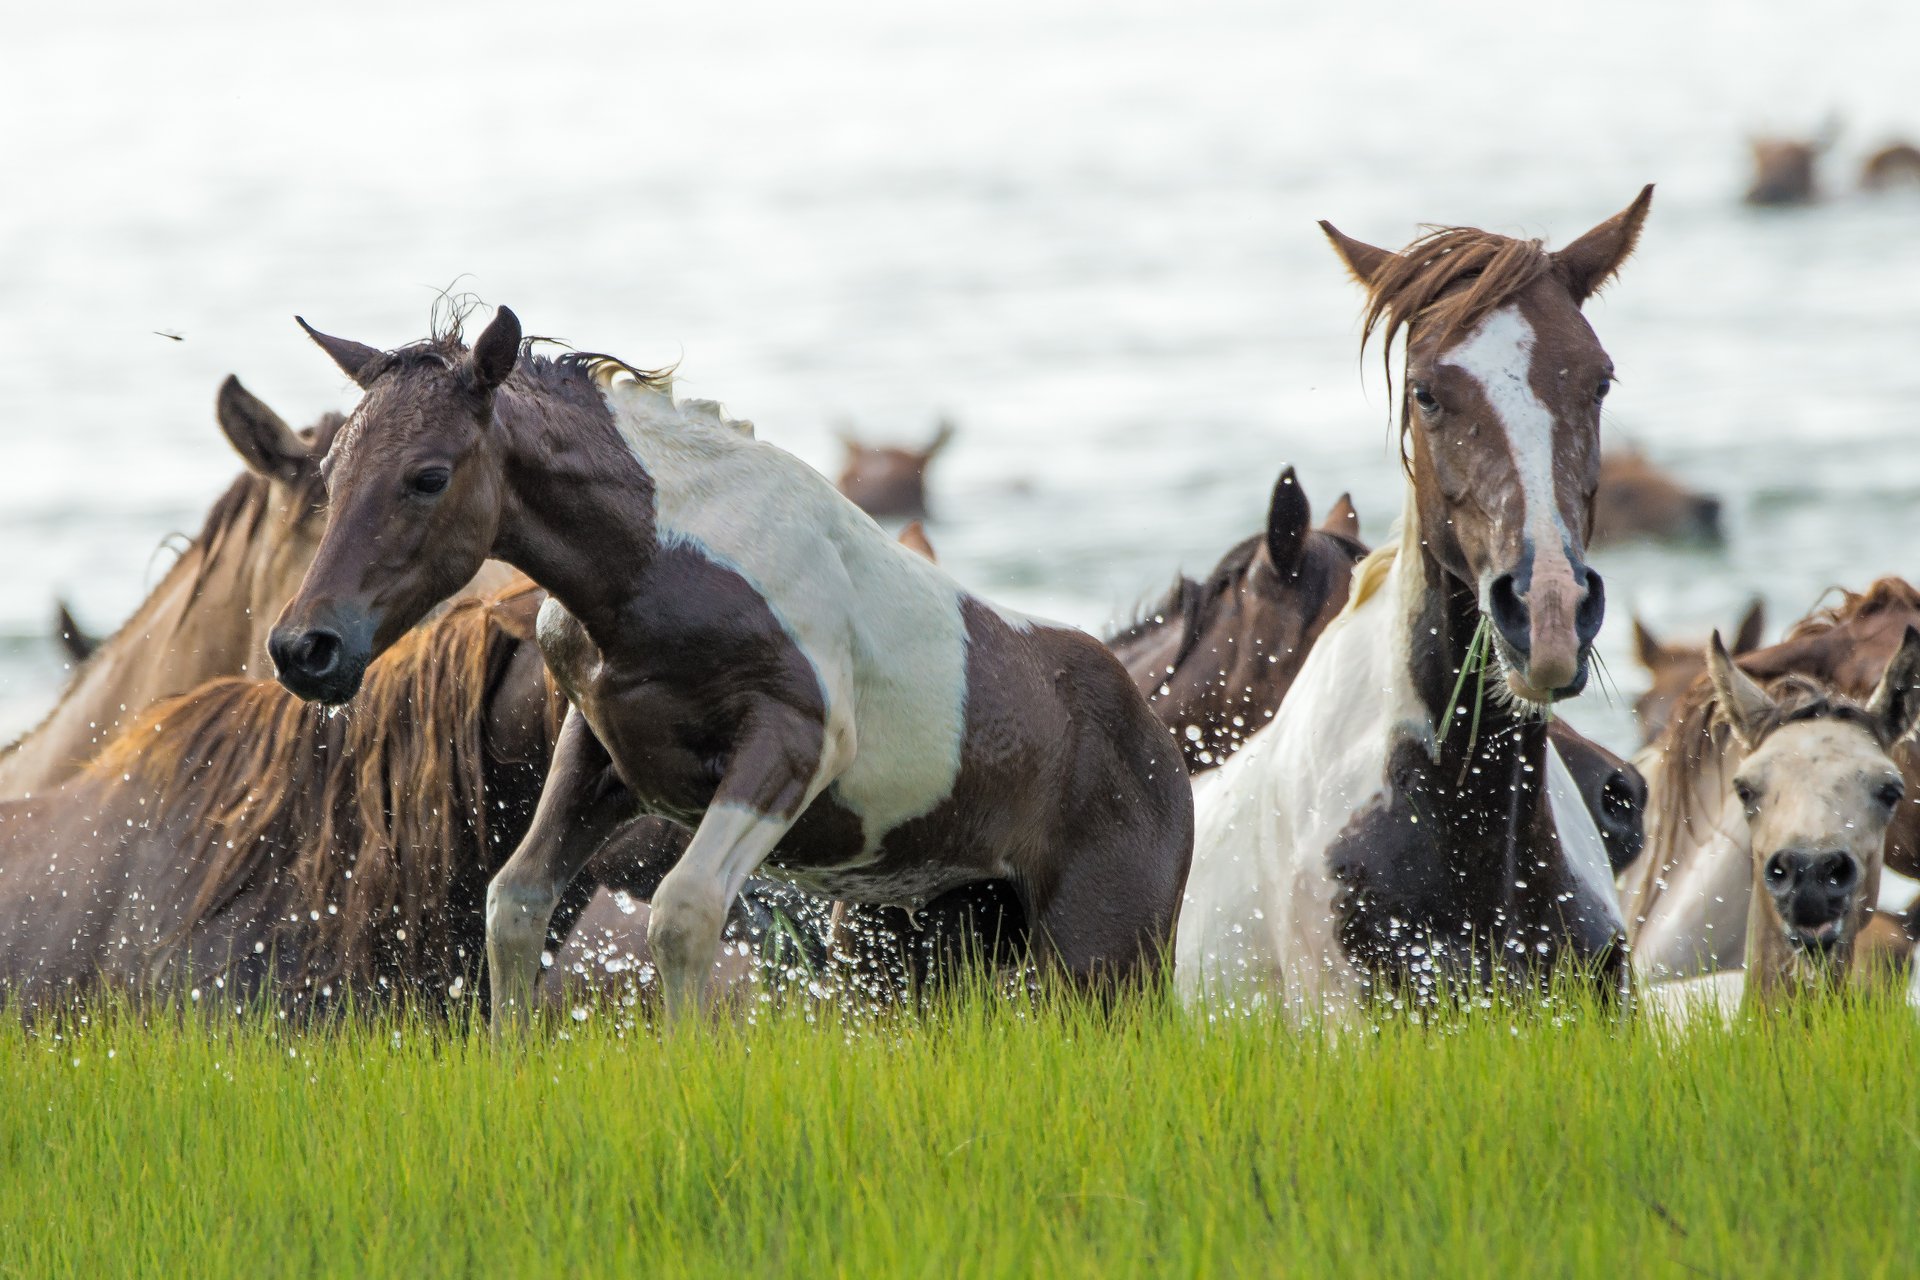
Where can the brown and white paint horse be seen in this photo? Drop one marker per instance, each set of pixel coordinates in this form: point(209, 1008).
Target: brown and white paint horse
point(1817, 788)
point(1687, 901)
point(1675, 668)
point(746, 652)
point(1371, 829)
point(1216, 658)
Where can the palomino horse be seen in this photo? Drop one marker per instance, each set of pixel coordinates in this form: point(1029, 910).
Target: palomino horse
point(1676, 667)
point(1816, 788)
point(890, 481)
point(748, 653)
point(1638, 500)
point(210, 614)
point(1686, 902)
point(1216, 658)
point(1382, 824)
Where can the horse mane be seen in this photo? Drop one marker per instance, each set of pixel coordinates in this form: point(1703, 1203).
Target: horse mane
point(1449, 279)
point(1187, 599)
point(366, 816)
point(1371, 573)
point(1882, 596)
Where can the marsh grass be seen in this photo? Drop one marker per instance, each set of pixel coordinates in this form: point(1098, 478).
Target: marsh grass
point(991, 1136)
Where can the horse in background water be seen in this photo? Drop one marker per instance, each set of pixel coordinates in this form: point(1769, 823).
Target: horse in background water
point(1382, 826)
point(890, 481)
point(1687, 901)
point(746, 652)
point(1637, 500)
point(1675, 668)
point(1215, 658)
point(1816, 789)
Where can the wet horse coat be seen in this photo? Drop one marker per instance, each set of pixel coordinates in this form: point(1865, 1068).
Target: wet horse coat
point(1369, 830)
point(746, 653)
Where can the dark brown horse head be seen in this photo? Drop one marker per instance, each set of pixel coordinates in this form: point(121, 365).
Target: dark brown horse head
point(1501, 420)
point(416, 485)
point(1216, 657)
point(1675, 667)
point(890, 480)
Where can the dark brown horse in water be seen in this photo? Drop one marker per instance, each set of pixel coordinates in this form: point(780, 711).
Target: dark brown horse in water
point(1637, 500)
point(236, 840)
point(1687, 900)
point(1675, 668)
point(1894, 165)
point(1216, 658)
point(1382, 824)
point(210, 614)
point(747, 653)
point(890, 481)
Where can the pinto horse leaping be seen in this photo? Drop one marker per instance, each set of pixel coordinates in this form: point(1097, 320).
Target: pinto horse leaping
point(1379, 825)
point(747, 653)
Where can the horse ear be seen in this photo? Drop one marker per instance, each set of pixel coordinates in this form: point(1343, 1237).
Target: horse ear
point(942, 436)
point(1590, 261)
point(914, 538)
point(1363, 260)
point(1288, 519)
point(355, 359)
point(498, 348)
point(1646, 646)
point(73, 637)
point(1744, 703)
point(1752, 627)
point(1343, 519)
point(264, 441)
point(1896, 703)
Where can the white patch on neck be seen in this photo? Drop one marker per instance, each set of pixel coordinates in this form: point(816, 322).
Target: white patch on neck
point(880, 624)
point(1498, 355)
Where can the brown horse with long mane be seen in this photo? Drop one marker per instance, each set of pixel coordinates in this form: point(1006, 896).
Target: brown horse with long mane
point(235, 839)
point(747, 652)
point(1216, 658)
point(1687, 901)
point(210, 614)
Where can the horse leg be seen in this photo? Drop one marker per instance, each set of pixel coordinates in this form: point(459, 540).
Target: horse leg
point(1102, 914)
point(769, 782)
point(581, 806)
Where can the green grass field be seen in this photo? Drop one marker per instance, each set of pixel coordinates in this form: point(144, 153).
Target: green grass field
point(987, 1140)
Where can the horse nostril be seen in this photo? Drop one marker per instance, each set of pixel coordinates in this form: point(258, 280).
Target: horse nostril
point(1592, 610)
point(316, 653)
point(1839, 870)
point(1509, 614)
point(1780, 869)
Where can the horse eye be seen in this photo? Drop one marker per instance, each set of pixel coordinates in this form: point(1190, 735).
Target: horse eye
point(1600, 392)
point(1425, 399)
point(1746, 793)
point(432, 480)
point(1889, 793)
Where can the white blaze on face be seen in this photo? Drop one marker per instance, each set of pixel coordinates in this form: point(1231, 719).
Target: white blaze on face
point(1498, 356)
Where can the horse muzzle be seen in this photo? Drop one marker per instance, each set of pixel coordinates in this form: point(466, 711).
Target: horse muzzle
point(324, 661)
point(1545, 618)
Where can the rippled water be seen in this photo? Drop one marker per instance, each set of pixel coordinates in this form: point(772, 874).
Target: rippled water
point(1084, 230)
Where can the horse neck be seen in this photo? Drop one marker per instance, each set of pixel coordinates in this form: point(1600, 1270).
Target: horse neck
point(193, 627)
point(579, 516)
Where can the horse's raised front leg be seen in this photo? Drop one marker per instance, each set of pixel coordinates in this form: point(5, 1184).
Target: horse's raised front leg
point(781, 762)
point(582, 805)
